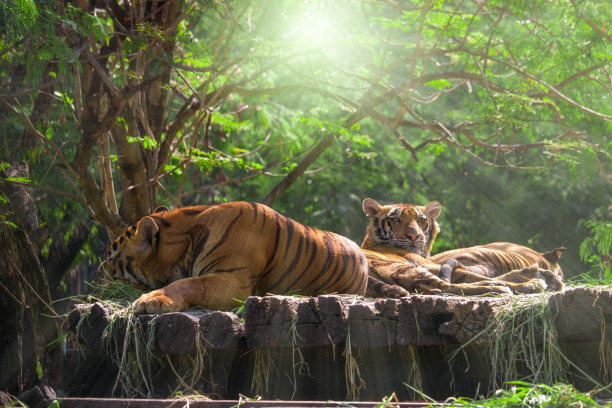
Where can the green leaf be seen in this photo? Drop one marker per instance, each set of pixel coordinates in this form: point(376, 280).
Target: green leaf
point(39, 370)
point(17, 179)
point(147, 142)
point(439, 84)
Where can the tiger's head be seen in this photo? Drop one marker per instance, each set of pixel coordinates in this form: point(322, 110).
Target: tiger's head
point(130, 257)
point(409, 227)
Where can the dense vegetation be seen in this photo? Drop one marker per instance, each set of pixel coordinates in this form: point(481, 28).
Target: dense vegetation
point(500, 110)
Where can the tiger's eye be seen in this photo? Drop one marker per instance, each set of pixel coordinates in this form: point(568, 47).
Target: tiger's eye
point(395, 220)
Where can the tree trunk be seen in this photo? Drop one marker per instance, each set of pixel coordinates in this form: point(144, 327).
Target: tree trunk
point(25, 301)
point(24, 331)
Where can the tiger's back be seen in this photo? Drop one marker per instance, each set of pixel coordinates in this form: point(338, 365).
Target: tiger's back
point(210, 255)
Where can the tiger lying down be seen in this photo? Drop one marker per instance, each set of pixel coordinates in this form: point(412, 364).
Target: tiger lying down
point(210, 256)
point(398, 241)
point(213, 256)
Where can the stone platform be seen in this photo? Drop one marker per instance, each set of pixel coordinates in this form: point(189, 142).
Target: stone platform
point(328, 347)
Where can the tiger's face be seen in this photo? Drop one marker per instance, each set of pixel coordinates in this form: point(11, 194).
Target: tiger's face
point(404, 226)
point(123, 261)
point(130, 256)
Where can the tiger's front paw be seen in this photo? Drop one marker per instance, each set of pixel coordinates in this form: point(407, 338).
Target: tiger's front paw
point(552, 280)
point(495, 287)
point(549, 281)
point(158, 301)
point(394, 291)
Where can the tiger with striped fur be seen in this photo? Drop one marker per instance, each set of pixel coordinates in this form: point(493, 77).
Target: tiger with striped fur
point(397, 245)
point(209, 256)
point(512, 261)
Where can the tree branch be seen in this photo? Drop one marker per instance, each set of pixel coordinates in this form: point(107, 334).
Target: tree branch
point(299, 170)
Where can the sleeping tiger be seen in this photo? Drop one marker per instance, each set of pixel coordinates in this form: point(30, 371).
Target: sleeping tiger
point(210, 256)
point(503, 258)
point(397, 245)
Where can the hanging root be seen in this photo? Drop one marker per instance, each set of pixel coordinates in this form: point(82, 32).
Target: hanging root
point(414, 378)
point(261, 372)
point(354, 382)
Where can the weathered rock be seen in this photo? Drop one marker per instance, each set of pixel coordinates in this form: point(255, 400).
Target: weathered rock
point(373, 323)
point(90, 329)
point(269, 320)
point(280, 321)
point(220, 330)
point(38, 396)
point(404, 338)
point(333, 315)
point(421, 320)
point(177, 333)
point(469, 318)
point(583, 314)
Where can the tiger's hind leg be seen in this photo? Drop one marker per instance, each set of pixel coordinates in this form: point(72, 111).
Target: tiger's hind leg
point(521, 281)
point(423, 280)
point(547, 279)
point(465, 289)
point(397, 279)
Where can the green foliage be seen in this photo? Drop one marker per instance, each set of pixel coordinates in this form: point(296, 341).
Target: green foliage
point(85, 23)
point(523, 395)
point(385, 80)
point(595, 249)
point(39, 370)
point(17, 16)
point(116, 292)
point(444, 100)
point(147, 142)
point(25, 24)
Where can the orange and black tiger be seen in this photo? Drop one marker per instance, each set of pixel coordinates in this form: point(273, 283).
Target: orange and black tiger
point(513, 261)
point(397, 245)
point(212, 256)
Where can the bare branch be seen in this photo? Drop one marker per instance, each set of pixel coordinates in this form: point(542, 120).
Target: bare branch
point(299, 170)
point(26, 121)
point(28, 91)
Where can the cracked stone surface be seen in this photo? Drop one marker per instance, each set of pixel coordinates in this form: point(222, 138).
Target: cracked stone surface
point(388, 337)
point(285, 321)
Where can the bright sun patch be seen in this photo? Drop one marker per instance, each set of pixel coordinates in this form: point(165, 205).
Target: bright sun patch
point(315, 26)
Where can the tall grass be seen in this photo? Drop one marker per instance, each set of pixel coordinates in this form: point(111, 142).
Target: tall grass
point(128, 342)
point(521, 343)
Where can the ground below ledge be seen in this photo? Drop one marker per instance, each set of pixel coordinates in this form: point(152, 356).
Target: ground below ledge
point(336, 347)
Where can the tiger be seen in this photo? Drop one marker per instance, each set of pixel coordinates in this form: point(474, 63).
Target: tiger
point(504, 258)
point(398, 243)
point(215, 256)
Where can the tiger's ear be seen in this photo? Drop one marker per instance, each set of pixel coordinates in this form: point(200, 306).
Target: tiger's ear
point(554, 255)
point(432, 209)
point(146, 232)
point(371, 207)
point(161, 208)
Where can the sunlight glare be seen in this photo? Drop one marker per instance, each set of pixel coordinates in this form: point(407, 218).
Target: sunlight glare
point(314, 27)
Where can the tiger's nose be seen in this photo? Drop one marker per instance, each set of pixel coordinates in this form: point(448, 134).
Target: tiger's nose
point(411, 236)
